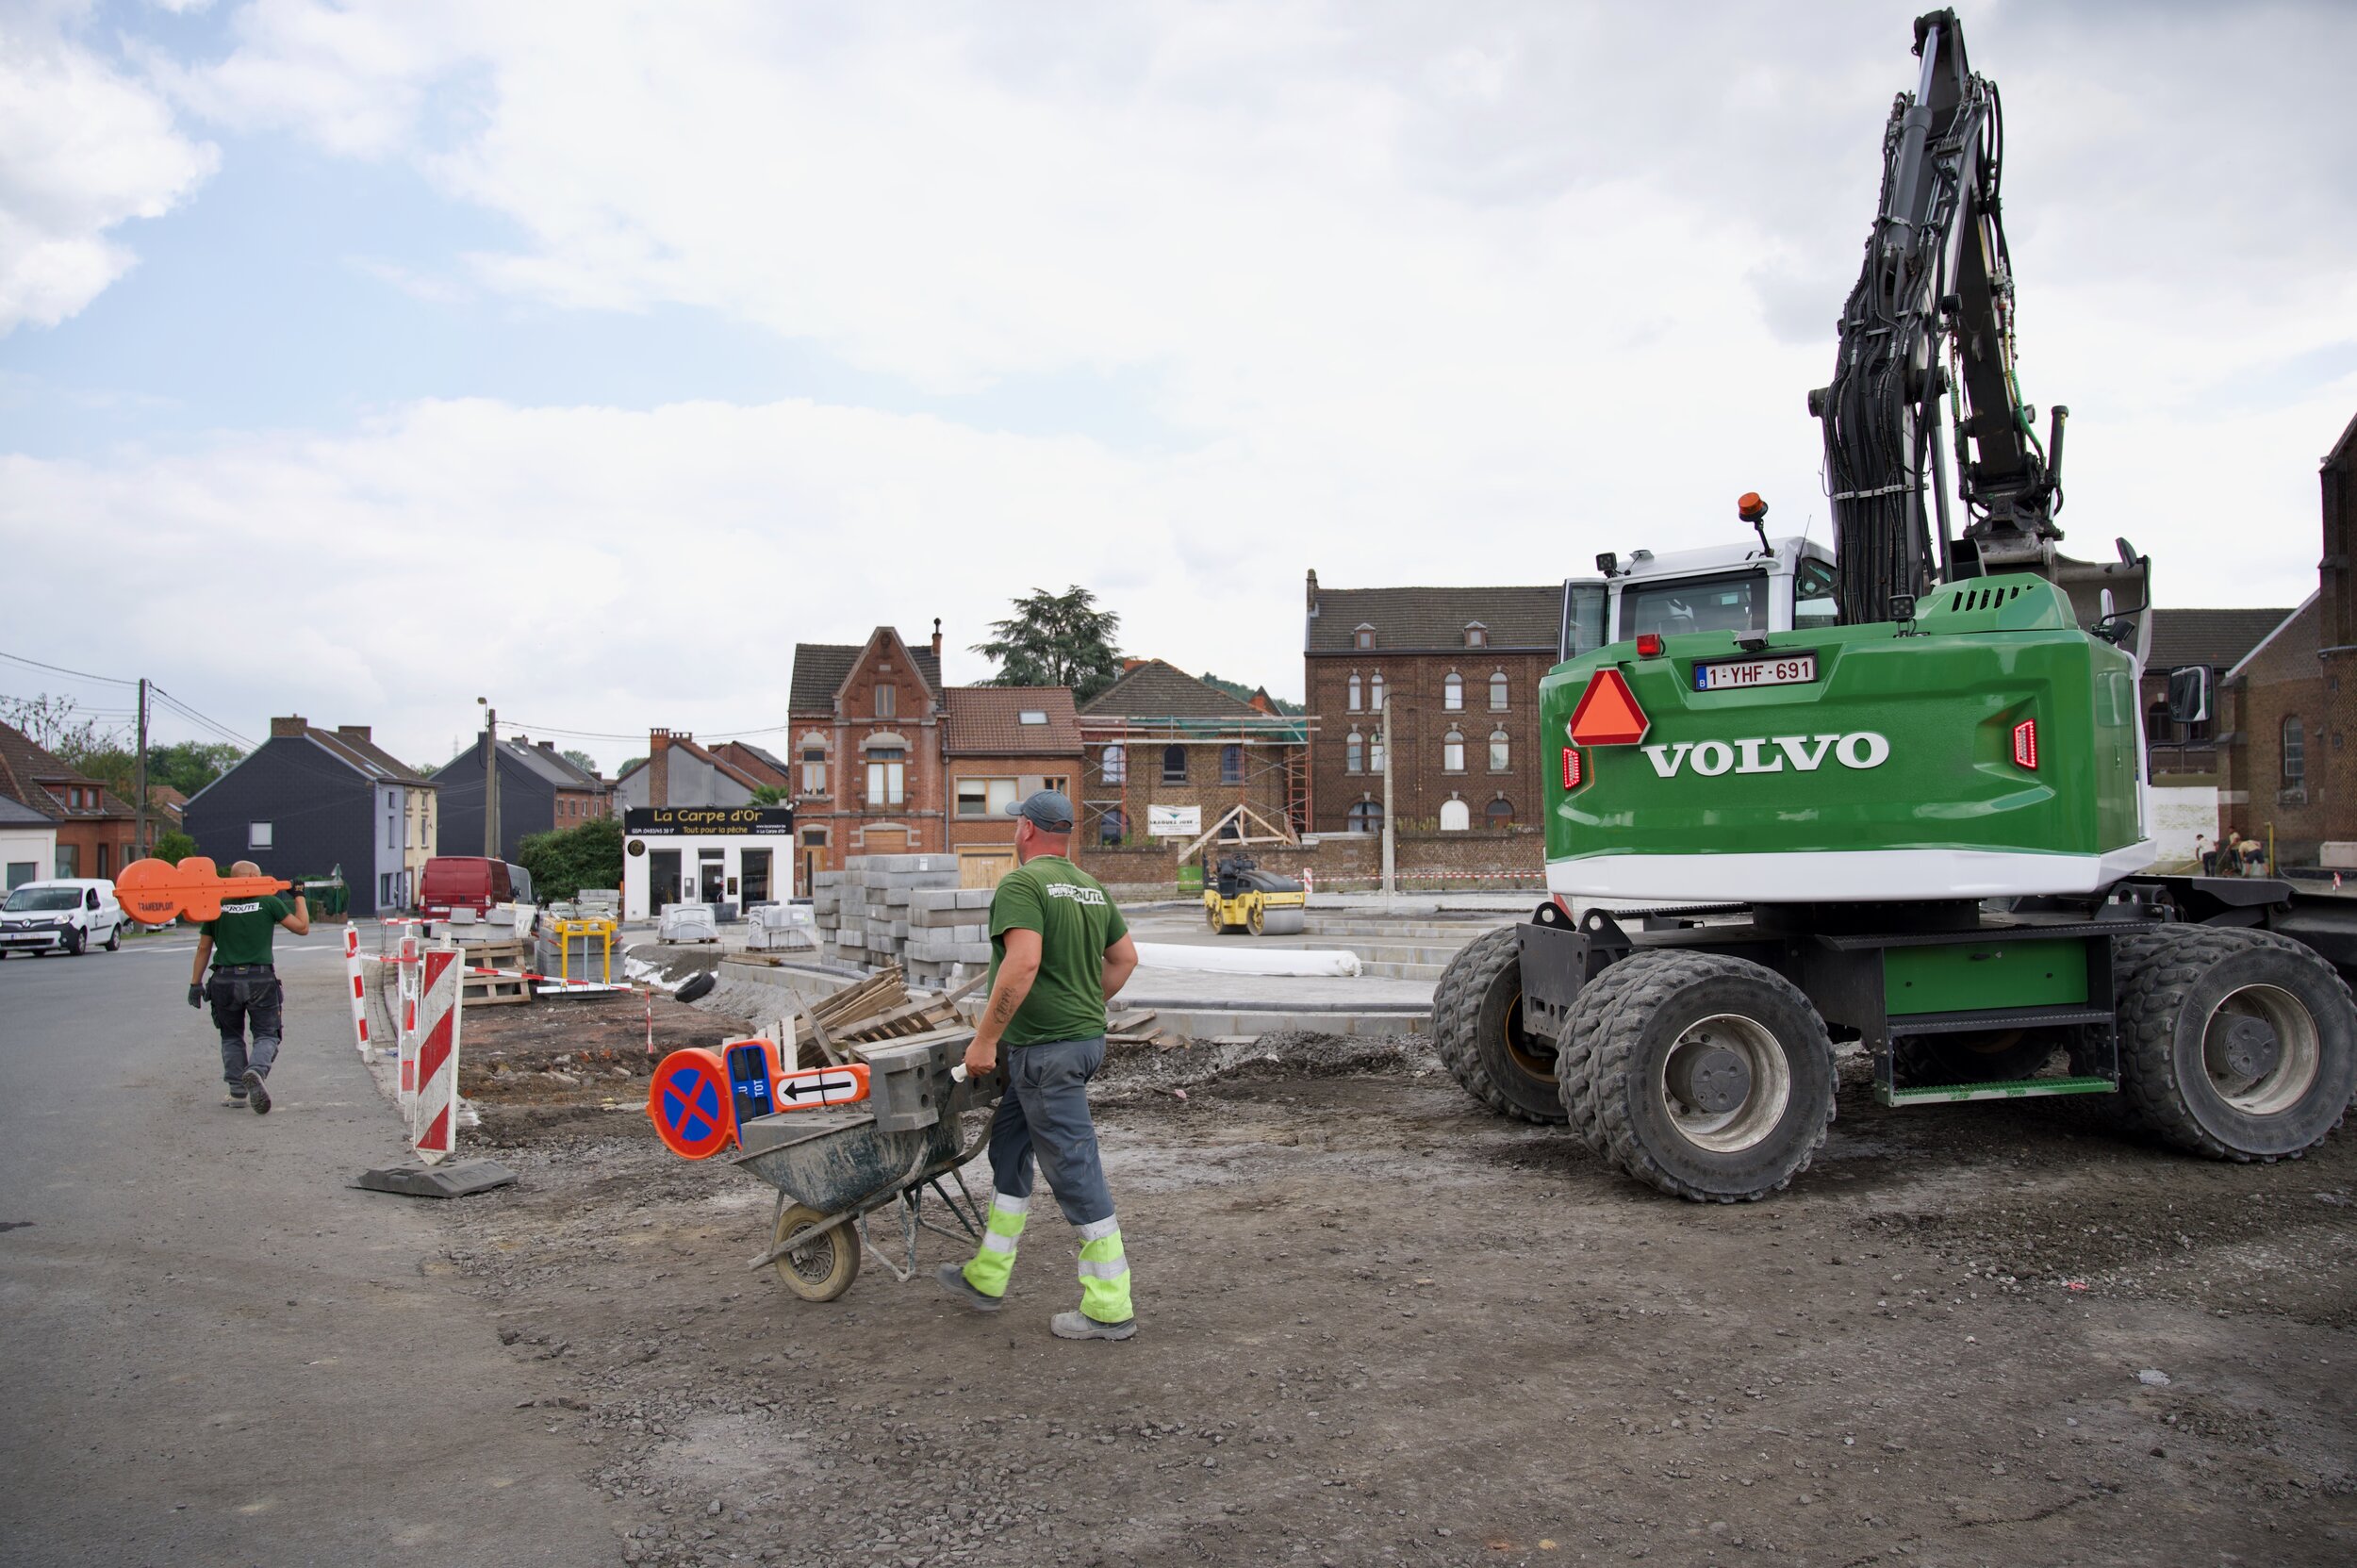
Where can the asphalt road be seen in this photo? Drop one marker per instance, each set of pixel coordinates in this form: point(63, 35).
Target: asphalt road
point(216, 1351)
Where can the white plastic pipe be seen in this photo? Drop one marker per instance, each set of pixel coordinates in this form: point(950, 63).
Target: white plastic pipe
point(1242, 960)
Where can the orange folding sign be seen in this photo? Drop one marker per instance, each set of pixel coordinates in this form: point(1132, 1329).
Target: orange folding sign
point(1607, 714)
point(154, 892)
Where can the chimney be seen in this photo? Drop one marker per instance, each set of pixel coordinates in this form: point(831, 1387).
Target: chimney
point(353, 731)
point(658, 768)
point(1314, 590)
point(936, 640)
point(294, 725)
point(548, 746)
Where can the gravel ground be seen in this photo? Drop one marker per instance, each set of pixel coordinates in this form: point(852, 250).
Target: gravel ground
point(1380, 1327)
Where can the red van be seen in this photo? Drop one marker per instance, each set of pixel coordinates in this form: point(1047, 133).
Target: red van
point(463, 882)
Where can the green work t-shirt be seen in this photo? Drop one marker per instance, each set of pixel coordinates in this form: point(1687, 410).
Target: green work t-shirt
point(1076, 922)
point(241, 936)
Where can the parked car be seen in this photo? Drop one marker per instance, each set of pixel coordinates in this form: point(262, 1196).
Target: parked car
point(521, 880)
point(69, 915)
point(463, 882)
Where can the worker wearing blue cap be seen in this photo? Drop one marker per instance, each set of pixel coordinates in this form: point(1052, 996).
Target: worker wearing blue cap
point(1059, 950)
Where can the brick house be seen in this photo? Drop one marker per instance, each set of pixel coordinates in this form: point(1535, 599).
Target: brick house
point(1160, 737)
point(864, 721)
point(999, 744)
point(2288, 708)
point(1459, 670)
point(96, 829)
point(2216, 639)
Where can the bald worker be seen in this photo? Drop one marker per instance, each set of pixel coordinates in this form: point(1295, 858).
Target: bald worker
point(244, 988)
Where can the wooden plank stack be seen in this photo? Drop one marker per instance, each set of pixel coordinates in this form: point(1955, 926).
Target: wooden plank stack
point(876, 1008)
point(493, 990)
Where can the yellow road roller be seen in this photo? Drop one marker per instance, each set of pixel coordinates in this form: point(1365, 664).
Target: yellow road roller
point(1241, 896)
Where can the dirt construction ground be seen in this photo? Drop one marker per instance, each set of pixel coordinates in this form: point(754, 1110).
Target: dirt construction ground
point(1381, 1326)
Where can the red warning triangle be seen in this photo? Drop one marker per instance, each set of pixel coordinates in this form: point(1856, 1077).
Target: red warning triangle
point(1607, 714)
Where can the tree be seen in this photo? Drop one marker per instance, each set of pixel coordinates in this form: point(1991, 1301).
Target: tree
point(569, 859)
point(579, 759)
point(173, 847)
point(1056, 639)
point(767, 795)
point(188, 766)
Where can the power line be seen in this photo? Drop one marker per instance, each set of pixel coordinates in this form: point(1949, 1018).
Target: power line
point(186, 711)
point(78, 674)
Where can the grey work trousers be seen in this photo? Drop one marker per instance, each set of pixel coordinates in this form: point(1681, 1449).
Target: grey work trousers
point(240, 996)
point(1044, 1114)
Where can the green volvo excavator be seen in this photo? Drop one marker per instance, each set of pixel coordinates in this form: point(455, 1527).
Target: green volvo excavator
point(1896, 798)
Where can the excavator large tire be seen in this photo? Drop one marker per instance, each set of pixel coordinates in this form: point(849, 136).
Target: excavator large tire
point(1478, 1027)
point(1709, 1077)
point(1577, 1047)
point(2235, 1044)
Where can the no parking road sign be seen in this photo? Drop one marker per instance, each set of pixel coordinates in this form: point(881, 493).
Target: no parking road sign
point(688, 1102)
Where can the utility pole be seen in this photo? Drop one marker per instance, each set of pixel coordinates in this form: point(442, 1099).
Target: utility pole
point(490, 780)
point(1387, 803)
point(140, 845)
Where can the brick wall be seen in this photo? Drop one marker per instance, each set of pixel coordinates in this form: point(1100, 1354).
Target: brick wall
point(1415, 687)
point(849, 820)
point(2284, 680)
point(1029, 773)
point(1261, 786)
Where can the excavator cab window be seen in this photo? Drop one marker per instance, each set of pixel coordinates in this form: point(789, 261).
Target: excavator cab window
point(1812, 593)
point(1731, 603)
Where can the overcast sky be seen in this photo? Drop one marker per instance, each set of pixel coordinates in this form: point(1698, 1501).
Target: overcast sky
point(358, 359)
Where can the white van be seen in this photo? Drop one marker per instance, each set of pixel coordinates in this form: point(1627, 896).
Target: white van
point(69, 915)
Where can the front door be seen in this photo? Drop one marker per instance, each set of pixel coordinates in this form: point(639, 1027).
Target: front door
point(710, 887)
point(662, 880)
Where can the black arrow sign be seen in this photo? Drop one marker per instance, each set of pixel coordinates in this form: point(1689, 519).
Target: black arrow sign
point(821, 1087)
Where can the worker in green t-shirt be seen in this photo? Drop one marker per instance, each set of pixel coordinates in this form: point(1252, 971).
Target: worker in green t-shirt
point(244, 988)
point(1058, 950)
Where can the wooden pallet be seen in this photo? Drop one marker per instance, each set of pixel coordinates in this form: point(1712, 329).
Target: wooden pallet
point(493, 991)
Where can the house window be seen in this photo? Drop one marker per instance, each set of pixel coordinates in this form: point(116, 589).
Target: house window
point(814, 838)
point(887, 779)
point(257, 835)
point(1500, 812)
point(1375, 752)
point(1031, 715)
point(1364, 637)
point(1113, 765)
point(384, 890)
point(1058, 783)
point(1375, 692)
point(1501, 752)
point(1354, 752)
point(1231, 765)
point(2295, 753)
point(887, 701)
point(1453, 752)
point(1366, 816)
point(102, 860)
point(1112, 827)
point(21, 872)
point(814, 770)
point(1358, 693)
point(1452, 693)
point(1476, 634)
point(392, 826)
point(985, 797)
point(69, 859)
point(1455, 816)
point(1173, 764)
point(1497, 691)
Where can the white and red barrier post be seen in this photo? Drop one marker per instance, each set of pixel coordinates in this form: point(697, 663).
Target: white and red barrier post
point(434, 1107)
point(358, 986)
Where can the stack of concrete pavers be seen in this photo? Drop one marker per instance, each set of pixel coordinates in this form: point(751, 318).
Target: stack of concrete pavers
point(863, 910)
point(948, 926)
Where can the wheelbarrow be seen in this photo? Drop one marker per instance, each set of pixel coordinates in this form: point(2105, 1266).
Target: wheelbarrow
point(836, 1169)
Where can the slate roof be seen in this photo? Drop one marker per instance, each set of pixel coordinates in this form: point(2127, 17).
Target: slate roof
point(15, 813)
point(821, 667)
point(1434, 620)
point(2219, 638)
point(1152, 689)
point(24, 766)
point(365, 757)
point(568, 775)
point(755, 763)
point(987, 721)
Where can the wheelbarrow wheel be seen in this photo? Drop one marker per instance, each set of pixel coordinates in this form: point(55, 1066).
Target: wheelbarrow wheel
point(824, 1268)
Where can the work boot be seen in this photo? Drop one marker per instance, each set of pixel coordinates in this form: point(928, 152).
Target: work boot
point(953, 1280)
point(234, 1096)
point(255, 1094)
point(1082, 1326)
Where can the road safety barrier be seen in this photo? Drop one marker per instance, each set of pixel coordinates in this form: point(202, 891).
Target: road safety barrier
point(434, 1109)
point(358, 987)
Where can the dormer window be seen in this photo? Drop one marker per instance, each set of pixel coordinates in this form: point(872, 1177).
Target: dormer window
point(1363, 636)
point(1476, 634)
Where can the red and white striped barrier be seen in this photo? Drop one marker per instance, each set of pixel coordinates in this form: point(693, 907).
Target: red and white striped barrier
point(434, 1107)
point(358, 987)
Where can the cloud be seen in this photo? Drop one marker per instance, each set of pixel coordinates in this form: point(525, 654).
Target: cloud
point(84, 148)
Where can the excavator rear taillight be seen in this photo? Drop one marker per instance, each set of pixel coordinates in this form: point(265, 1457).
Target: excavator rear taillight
point(2025, 744)
point(1574, 769)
